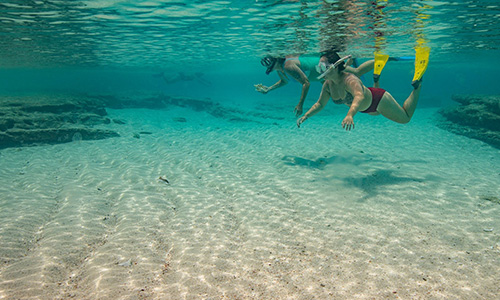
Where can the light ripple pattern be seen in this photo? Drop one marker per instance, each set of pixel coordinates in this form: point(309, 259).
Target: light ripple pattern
point(160, 34)
point(253, 211)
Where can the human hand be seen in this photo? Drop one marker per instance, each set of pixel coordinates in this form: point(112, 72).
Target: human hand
point(348, 123)
point(300, 121)
point(298, 110)
point(261, 88)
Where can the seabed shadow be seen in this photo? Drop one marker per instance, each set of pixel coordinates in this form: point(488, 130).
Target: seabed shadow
point(378, 182)
point(373, 184)
point(322, 162)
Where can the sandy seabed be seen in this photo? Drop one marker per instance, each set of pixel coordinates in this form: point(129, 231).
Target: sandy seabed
point(252, 210)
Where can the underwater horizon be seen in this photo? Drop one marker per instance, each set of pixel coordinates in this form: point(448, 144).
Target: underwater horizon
point(139, 161)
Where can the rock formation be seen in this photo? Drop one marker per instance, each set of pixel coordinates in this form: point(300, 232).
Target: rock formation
point(159, 101)
point(50, 119)
point(476, 117)
point(31, 120)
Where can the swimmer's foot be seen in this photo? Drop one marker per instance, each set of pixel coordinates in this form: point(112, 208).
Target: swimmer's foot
point(379, 64)
point(421, 63)
point(416, 83)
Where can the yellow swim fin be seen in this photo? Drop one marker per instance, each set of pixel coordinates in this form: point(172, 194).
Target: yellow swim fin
point(421, 62)
point(380, 61)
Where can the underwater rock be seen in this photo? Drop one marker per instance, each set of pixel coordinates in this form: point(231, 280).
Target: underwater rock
point(476, 117)
point(179, 119)
point(118, 121)
point(34, 120)
point(30, 137)
point(6, 124)
point(50, 119)
point(161, 101)
point(134, 100)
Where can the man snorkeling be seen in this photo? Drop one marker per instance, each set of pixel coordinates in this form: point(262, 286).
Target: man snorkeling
point(345, 88)
point(297, 66)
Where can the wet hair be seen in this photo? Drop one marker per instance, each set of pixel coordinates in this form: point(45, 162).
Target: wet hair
point(332, 56)
point(328, 52)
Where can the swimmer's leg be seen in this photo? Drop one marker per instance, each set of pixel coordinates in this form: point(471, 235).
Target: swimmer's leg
point(391, 109)
point(364, 68)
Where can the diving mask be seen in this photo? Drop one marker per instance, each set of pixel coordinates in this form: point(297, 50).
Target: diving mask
point(269, 63)
point(324, 68)
point(321, 67)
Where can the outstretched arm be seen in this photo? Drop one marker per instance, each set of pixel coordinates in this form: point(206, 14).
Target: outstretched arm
point(297, 73)
point(356, 88)
point(318, 106)
point(265, 89)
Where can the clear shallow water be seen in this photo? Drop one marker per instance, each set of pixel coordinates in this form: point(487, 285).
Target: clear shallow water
point(259, 209)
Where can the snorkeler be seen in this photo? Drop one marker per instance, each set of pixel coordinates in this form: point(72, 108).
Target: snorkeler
point(345, 88)
point(297, 66)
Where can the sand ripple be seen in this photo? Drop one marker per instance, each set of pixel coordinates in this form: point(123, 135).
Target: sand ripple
point(251, 212)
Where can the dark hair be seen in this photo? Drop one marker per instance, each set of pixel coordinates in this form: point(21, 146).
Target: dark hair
point(280, 60)
point(332, 56)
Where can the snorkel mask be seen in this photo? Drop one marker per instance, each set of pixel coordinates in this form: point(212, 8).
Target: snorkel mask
point(268, 62)
point(324, 68)
point(321, 67)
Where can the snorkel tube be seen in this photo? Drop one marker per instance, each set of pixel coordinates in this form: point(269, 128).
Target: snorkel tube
point(336, 64)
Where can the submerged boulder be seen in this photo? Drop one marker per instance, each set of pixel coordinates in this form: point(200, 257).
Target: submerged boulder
point(161, 101)
point(476, 116)
point(31, 137)
point(50, 119)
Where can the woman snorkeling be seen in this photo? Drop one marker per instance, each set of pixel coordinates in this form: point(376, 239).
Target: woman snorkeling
point(345, 88)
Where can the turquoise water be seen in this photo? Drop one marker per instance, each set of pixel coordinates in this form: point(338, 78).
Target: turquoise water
point(175, 33)
point(96, 45)
point(254, 207)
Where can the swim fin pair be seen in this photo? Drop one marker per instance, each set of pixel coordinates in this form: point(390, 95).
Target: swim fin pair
point(421, 62)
